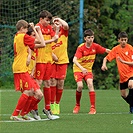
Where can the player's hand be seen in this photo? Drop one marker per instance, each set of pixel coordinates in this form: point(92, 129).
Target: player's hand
point(31, 24)
point(84, 71)
point(57, 22)
point(27, 62)
point(119, 59)
point(37, 28)
point(104, 68)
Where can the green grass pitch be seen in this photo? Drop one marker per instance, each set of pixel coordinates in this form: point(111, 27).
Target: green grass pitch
point(112, 115)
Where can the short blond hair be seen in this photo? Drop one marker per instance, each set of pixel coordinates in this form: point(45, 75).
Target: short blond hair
point(21, 23)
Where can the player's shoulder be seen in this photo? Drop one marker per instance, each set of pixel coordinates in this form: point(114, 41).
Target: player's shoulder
point(38, 24)
point(129, 45)
point(95, 44)
point(81, 45)
point(49, 26)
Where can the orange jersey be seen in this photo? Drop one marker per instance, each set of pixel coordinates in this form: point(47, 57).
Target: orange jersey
point(60, 48)
point(45, 54)
point(125, 71)
point(21, 43)
point(86, 56)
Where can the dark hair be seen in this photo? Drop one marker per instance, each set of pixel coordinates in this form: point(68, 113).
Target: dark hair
point(45, 14)
point(30, 30)
point(88, 32)
point(122, 34)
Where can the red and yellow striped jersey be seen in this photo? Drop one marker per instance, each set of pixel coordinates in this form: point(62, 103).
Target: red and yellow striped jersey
point(33, 60)
point(86, 56)
point(45, 54)
point(60, 48)
point(21, 43)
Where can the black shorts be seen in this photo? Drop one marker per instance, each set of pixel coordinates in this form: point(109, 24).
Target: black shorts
point(124, 85)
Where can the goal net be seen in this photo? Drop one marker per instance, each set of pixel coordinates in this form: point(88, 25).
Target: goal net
point(13, 10)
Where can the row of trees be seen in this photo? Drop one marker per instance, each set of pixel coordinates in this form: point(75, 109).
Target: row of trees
point(105, 17)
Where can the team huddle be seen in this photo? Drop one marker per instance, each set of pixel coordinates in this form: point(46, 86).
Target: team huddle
point(41, 61)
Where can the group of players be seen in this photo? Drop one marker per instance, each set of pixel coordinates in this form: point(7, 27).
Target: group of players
point(41, 60)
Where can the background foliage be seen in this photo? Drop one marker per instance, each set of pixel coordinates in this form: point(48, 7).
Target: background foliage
point(106, 18)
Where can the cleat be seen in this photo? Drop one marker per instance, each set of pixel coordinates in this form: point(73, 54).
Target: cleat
point(48, 113)
point(131, 121)
point(35, 114)
point(92, 111)
point(26, 117)
point(17, 118)
point(76, 109)
point(57, 108)
point(131, 110)
point(52, 107)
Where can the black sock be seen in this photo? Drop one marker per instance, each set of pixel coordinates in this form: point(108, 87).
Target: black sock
point(126, 98)
point(130, 95)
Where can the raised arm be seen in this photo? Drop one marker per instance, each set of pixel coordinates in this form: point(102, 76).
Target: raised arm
point(39, 36)
point(61, 22)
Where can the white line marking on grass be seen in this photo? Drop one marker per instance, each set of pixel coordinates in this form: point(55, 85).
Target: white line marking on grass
point(114, 113)
point(26, 120)
point(63, 114)
point(7, 90)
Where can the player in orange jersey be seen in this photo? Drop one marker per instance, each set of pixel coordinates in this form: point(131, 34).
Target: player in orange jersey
point(22, 80)
point(83, 62)
point(59, 67)
point(123, 54)
point(44, 59)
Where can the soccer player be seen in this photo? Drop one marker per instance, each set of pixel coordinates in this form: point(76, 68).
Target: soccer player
point(123, 54)
point(44, 59)
point(31, 63)
point(83, 62)
point(59, 67)
point(22, 80)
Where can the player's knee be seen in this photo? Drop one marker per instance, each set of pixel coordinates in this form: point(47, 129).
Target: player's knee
point(90, 86)
point(38, 94)
point(79, 88)
point(130, 86)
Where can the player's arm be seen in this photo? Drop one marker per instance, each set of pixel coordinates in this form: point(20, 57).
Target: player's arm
point(39, 36)
point(107, 50)
point(104, 67)
point(54, 39)
point(84, 71)
point(125, 62)
point(33, 69)
point(55, 58)
point(28, 57)
point(62, 22)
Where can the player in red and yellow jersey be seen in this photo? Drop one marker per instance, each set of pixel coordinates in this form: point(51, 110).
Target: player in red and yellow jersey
point(123, 54)
point(59, 68)
point(31, 63)
point(44, 59)
point(83, 61)
point(22, 79)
